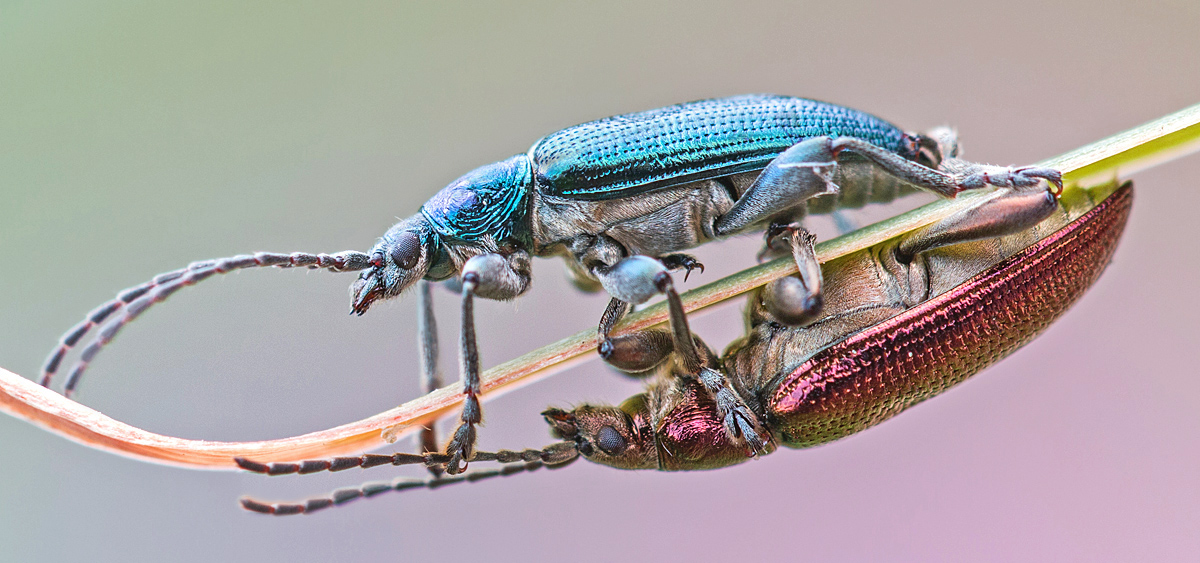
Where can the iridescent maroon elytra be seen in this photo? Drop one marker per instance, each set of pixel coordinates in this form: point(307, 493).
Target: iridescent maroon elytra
point(873, 375)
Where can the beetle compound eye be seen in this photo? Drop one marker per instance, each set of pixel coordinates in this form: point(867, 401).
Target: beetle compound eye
point(406, 251)
point(610, 441)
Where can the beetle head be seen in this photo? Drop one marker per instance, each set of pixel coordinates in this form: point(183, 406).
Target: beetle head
point(620, 437)
point(689, 434)
point(401, 257)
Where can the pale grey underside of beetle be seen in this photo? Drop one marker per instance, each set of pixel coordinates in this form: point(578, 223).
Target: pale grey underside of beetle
point(682, 217)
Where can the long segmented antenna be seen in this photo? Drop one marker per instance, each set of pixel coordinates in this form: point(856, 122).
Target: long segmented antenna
point(137, 299)
point(554, 456)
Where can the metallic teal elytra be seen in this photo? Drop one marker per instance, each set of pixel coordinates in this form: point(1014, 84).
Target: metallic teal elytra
point(626, 154)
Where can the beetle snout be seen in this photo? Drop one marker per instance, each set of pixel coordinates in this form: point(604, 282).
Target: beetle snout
point(383, 281)
point(562, 423)
point(365, 290)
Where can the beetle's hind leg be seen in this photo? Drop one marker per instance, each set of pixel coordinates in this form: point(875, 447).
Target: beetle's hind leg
point(806, 170)
point(1008, 211)
point(952, 176)
point(492, 276)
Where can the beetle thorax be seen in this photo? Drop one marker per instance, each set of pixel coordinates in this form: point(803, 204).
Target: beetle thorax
point(490, 201)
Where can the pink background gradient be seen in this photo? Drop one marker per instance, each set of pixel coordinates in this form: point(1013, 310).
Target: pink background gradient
point(136, 137)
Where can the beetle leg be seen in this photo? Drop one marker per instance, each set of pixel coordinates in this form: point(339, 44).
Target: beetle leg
point(952, 176)
point(684, 262)
point(795, 300)
point(636, 353)
point(1009, 211)
point(431, 377)
point(741, 424)
point(632, 281)
point(641, 351)
point(806, 170)
point(491, 276)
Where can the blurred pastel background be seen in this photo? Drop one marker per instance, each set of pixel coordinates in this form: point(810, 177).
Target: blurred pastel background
point(138, 136)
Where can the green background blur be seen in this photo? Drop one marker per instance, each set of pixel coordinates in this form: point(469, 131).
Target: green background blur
point(136, 137)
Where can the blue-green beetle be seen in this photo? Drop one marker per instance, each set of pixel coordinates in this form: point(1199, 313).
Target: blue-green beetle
point(618, 198)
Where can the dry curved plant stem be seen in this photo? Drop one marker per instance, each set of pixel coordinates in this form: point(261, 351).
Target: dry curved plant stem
point(1118, 156)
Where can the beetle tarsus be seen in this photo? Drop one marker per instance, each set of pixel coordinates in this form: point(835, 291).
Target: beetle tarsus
point(684, 262)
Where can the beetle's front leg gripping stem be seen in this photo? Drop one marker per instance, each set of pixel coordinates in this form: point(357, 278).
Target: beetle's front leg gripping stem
point(462, 446)
point(495, 277)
